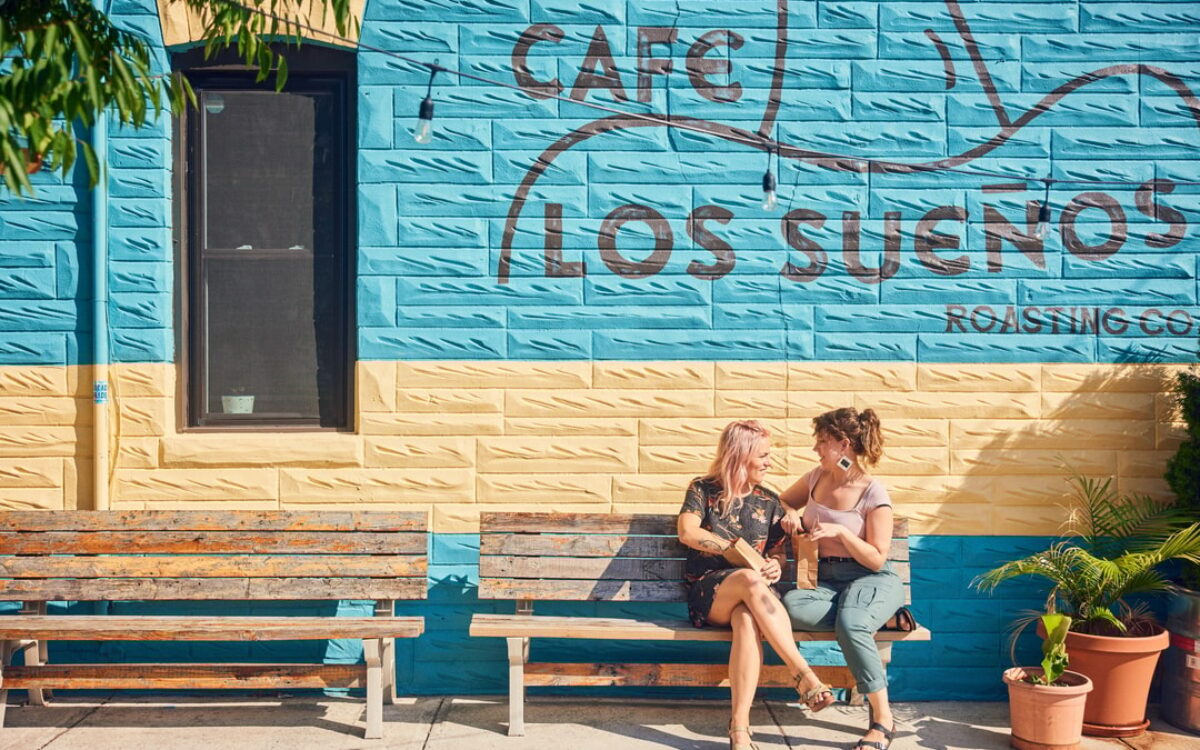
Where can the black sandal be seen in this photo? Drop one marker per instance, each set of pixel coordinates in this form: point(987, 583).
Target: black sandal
point(887, 737)
point(902, 621)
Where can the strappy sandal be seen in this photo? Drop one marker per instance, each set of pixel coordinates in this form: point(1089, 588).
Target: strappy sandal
point(873, 745)
point(812, 698)
point(902, 621)
point(740, 745)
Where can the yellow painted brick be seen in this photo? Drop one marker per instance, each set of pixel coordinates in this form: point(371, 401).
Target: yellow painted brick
point(804, 406)
point(1143, 378)
point(951, 405)
point(1166, 408)
point(44, 410)
point(377, 485)
point(915, 433)
point(142, 381)
point(137, 453)
point(32, 498)
point(674, 459)
point(578, 427)
point(1021, 490)
point(646, 375)
point(449, 400)
point(555, 455)
point(651, 488)
point(376, 386)
point(994, 378)
point(218, 505)
point(1156, 487)
point(948, 518)
point(144, 485)
point(1168, 435)
point(464, 519)
point(262, 449)
point(756, 376)
point(1031, 462)
point(751, 404)
point(898, 460)
point(20, 380)
point(145, 417)
point(671, 431)
point(852, 376)
point(923, 490)
point(380, 507)
point(430, 424)
point(472, 375)
point(31, 472)
point(1098, 405)
point(646, 509)
point(78, 486)
point(1142, 463)
point(541, 489)
point(44, 441)
point(1052, 433)
point(521, 403)
point(1028, 520)
point(424, 452)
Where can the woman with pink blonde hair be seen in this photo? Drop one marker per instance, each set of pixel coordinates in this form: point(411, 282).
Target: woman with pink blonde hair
point(728, 503)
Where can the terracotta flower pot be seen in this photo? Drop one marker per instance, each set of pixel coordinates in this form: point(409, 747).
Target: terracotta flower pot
point(1121, 669)
point(1046, 717)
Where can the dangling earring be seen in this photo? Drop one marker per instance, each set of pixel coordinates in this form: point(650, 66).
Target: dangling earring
point(844, 463)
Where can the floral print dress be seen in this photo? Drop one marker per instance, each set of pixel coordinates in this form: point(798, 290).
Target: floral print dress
point(755, 518)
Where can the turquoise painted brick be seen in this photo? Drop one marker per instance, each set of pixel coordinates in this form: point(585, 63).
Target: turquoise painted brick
point(567, 11)
point(981, 16)
point(674, 201)
point(851, 44)
point(969, 683)
point(138, 153)
point(800, 345)
point(26, 254)
point(769, 316)
point(377, 216)
point(140, 244)
point(938, 291)
point(1178, 171)
point(928, 75)
point(913, 139)
point(422, 261)
point(529, 236)
point(1075, 110)
point(125, 276)
point(568, 168)
point(928, 581)
point(930, 551)
point(47, 315)
point(1167, 112)
point(378, 70)
point(433, 344)
point(1016, 168)
point(914, 45)
point(1095, 48)
point(376, 301)
point(1125, 171)
point(1044, 77)
point(406, 36)
point(1147, 291)
point(375, 117)
point(767, 289)
point(898, 107)
point(458, 232)
point(885, 347)
point(540, 134)
point(803, 75)
point(983, 616)
point(990, 551)
point(448, 317)
point(657, 290)
point(470, 200)
point(1001, 347)
point(880, 319)
point(139, 183)
point(963, 650)
point(499, 39)
point(914, 204)
point(27, 283)
point(453, 549)
point(707, 168)
point(427, 167)
point(517, 292)
point(1152, 18)
point(1129, 265)
point(819, 105)
point(139, 310)
point(448, 134)
point(468, 102)
point(655, 344)
point(71, 276)
point(454, 11)
point(745, 201)
point(137, 212)
point(49, 197)
point(140, 345)
point(693, 14)
point(550, 345)
point(40, 225)
point(847, 14)
point(597, 318)
point(1163, 348)
point(1029, 143)
point(978, 264)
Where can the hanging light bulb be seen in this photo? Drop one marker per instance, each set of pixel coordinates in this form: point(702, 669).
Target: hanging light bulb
point(1043, 222)
point(423, 133)
point(770, 200)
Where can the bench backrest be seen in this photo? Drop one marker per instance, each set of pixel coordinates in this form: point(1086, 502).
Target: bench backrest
point(591, 557)
point(168, 555)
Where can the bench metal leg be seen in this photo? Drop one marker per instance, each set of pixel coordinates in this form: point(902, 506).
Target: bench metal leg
point(518, 655)
point(371, 649)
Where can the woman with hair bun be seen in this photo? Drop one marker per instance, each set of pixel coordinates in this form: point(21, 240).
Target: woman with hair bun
point(849, 514)
point(728, 503)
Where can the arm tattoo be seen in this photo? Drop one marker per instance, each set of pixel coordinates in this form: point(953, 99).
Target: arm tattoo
point(708, 545)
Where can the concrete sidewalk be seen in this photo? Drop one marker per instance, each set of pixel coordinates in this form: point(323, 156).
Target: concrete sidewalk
point(291, 723)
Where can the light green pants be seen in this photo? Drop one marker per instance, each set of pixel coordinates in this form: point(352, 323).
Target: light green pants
point(854, 602)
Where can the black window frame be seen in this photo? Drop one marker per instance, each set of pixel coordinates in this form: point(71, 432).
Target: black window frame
point(312, 69)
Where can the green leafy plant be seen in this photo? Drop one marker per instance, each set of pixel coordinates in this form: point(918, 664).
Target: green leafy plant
point(1114, 548)
point(1054, 647)
point(1183, 469)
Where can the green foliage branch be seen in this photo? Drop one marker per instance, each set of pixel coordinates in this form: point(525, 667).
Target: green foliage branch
point(1183, 469)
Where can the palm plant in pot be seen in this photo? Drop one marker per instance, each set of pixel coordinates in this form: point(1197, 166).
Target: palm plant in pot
point(1180, 703)
point(1113, 550)
point(1046, 703)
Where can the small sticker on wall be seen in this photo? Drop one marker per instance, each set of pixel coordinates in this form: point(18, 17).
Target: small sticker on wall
point(1193, 662)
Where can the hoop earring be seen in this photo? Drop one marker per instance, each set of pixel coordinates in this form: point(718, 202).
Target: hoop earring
point(844, 463)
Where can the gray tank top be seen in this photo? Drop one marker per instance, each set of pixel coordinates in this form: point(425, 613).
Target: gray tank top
point(874, 496)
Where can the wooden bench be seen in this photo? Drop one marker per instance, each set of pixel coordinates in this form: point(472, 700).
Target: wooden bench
point(194, 555)
point(588, 557)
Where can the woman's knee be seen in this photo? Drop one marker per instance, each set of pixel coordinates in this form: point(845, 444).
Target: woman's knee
point(855, 620)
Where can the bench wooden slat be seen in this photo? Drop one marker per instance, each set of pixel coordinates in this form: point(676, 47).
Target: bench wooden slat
point(579, 590)
point(210, 542)
point(219, 566)
point(176, 676)
point(597, 568)
point(617, 628)
point(591, 523)
point(604, 545)
point(540, 674)
point(236, 589)
point(193, 628)
point(199, 520)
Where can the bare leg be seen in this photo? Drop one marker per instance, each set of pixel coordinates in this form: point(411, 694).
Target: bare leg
point(749, 588)
point(745, 664)
point(881, 713)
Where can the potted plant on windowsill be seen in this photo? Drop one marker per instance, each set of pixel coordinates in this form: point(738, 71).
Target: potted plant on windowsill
point(1113, 551)
point(1046, 703)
